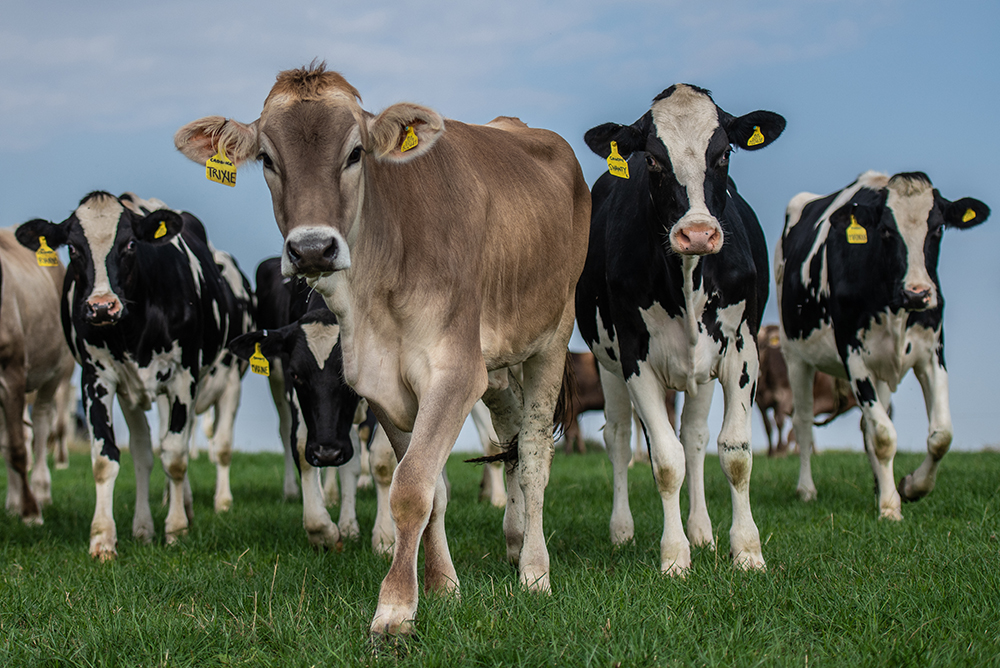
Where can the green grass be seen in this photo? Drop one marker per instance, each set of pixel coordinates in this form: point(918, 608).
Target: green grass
point(245, 588)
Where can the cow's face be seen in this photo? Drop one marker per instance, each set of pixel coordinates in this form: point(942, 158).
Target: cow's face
point(313, 364)
point(315, 144)
point(686, 141)
point(898, 238)
point(104, 239)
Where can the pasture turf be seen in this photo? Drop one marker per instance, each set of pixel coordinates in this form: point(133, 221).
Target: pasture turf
point(245, 588)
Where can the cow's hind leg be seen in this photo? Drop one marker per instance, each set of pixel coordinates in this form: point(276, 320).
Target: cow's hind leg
point(104, 457)
point(349, 474)
point(43, 414)
point(618, 443)
point(382, 460)
point(694, 437)
point(505, 400)
point(933, 380)
point(20, 499)
point(492, 488)
point(222, 437)
point(141, 448)
point(276, 384)
point(174, 455)
point(880, 444)
point(800, 378)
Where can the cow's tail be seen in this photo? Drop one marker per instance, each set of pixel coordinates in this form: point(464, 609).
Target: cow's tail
point(841, 402)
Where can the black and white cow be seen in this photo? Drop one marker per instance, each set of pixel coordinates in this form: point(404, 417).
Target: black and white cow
point(671, 298)
point(146, 312)
point(860, 299)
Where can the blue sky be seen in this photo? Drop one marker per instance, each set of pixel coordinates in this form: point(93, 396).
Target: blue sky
point(91, 94)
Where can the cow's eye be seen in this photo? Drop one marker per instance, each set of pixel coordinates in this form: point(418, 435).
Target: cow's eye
point(130, 246)
point(724, 160)
point(266, 160)
point(652, 163)
point(73, 252)
point(354, 157)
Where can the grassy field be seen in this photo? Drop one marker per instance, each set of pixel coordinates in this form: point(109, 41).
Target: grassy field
point(842, 588)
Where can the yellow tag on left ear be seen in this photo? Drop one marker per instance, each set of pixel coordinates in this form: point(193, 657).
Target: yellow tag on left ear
point(410, 140)
point(969, 215)
point(220, 169)
point(617, 164)
point(161, 231)
point(46, 256)
point(756, 138)
point(258, 363)
point(855, 233)
point(774, 341)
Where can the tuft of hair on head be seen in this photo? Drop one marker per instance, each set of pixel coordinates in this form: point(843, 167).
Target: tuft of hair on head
point(908, 184)
point(312, 82)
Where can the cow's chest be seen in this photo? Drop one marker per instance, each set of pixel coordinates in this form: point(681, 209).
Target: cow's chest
point(138, 385)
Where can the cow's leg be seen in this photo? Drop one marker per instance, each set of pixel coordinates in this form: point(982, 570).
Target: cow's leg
point(933, 380)
point(20, 499)
point(505, 400)
point(383, 463)
point(694, 438)
point(618, 443)
point(277, 385)
point(62, 424)
point(880, 443)
point(800, 378)
point(349, 474)
point(174, 454)
point(641, 451)
point(43, 416)
point(98, 395)
point(738, 375)
point(331, 487)
point(667, 458)
point(491, 489)
point(222, 437)
point(141, 449)
point(418, 498)
point(768, 428)
point(320, 529)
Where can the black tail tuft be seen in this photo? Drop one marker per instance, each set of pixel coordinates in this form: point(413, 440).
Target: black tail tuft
point(508, 455)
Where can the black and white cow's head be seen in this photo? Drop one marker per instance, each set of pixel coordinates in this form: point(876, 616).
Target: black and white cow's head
point(687, 140)
point(902, 226)
point(320, 397)
point(104, 239)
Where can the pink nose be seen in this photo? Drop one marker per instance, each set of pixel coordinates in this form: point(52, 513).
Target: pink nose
point(698, 239)
point(103, 309)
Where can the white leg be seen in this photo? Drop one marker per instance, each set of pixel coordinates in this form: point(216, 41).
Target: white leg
point(492, 487)
point(800, 378)
point(141, 447)
point(694, 438)
point(383, 464)
point(331, 489)
point(277, 385)
point(933, 380)
point(617, 438)
point(222, 437)
point(880, 444)
point(349, 473)
point(43, 415)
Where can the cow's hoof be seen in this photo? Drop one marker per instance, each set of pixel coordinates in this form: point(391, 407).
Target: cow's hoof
point(622, 530)
point(33, 520)
point(807, 494)
point(325, 537)
point(393, 620)
point(749, 561)
point(103, 550)
point(890, 514)
point(174, 536)
point(223, 504)
point(908, 491)
point(143, 532)
point(350, 529)
point(536, 581)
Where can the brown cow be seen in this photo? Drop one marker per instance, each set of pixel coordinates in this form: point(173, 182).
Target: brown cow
point(831, 396)
point(34, 357)
point(433, 242)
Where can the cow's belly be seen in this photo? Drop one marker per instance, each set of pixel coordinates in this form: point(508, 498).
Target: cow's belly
point(819, 350)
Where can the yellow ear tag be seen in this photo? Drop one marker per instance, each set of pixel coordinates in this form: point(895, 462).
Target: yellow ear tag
point(410, 140)
point(46, 256)
point(617, 164)
point(774, 341)
point(161, 231)
point(855, 233)
point(756, 138)
point(969, 215)
point(258, 363)
point(220, 169)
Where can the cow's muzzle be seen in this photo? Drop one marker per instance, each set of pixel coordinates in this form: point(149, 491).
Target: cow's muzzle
point(328, 454)
point(918, 300)
point(103, 310)
point(316, 251)
point(696, 237)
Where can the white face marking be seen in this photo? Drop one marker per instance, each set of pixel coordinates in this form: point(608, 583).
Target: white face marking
point(321, 339)
point(911, 203)
point(98, 219)
point(685, 123)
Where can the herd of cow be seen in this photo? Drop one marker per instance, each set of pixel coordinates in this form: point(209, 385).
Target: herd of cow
point(445, 264)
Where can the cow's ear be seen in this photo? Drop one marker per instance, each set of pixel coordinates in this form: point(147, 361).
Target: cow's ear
point(630, 138)
point(754, 130)
point(201, 139)
point(272, 343)
point(965, 213)
point(403, 132)
point(29, 233)
point(159, 227)
point(852, 213)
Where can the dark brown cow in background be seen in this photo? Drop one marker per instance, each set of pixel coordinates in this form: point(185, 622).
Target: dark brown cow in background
point(831, 396)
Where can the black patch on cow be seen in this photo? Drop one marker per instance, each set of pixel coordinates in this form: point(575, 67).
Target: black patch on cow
point(744, 377)
point(611, 353)
point(865, 391)
point(178, 416)
point(909, 348)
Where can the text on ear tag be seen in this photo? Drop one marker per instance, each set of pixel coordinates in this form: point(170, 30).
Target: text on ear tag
point(46, 256)
point(410, 140)
point(161, 231)
point(617, 164)
point(220, 169)
point(969, 215)
point(774, 341)
point(756, 138)
point(258, 363)
point(855, 233)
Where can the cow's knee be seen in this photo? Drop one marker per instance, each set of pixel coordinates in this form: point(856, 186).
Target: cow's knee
point(939, 442)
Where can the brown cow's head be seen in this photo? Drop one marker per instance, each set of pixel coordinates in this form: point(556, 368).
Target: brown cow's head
point(315, 143)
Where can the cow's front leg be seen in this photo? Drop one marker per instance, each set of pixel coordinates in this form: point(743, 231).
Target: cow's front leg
point(141, 448)
point(98, 395)
point(933, 380)
point(618, 443)
point(800, 378)
point(276, 383)
point(20, 499)
point(222, 437)
point(694, 438)
point(667, 458)
point(349, 474)
point(382, 460)
point(42, 415)
point(738, 377)
point(174, 454)
point(880, 441)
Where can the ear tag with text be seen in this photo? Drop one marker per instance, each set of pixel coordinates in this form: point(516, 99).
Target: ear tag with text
point(46, 256)
point(410, 140)
point(258, 363)
point(969, 215)
point(855, 233)
point(161, 231)
point(774, 341)
point(617, 164)
point(220, 169)
point(756, 138)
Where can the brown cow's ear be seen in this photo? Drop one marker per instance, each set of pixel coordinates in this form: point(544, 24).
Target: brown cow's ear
point(404, 131)
point(200, 140)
